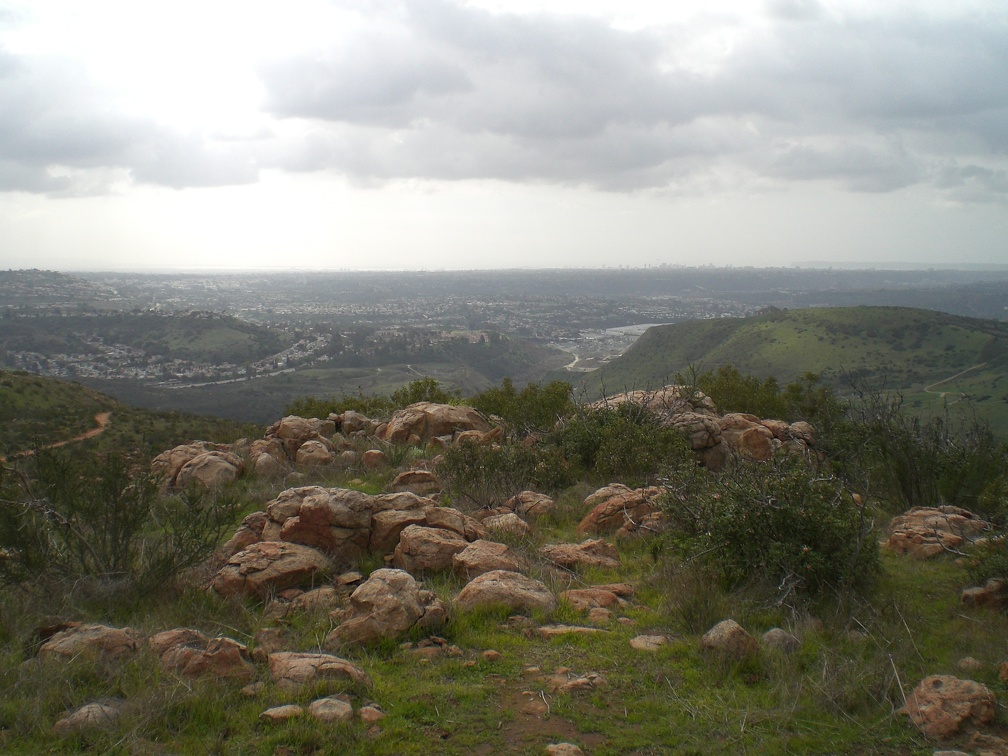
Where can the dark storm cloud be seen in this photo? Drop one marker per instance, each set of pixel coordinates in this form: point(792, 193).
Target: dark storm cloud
point(443, 91)
point(53, 118)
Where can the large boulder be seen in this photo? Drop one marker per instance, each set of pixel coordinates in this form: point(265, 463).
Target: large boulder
point(420, 482)
point(387, 605)
point(191, 654)
point(88, 639)
point(268, 567)
point(926, 532)
point(728, 638)
point(167, 464)
point(593, 552)
point(619, 509)
point(314, 453)
point(505, 588)
point(420, 422)
point(292, 670)
point(210, 469)
point(530, 505)
point(485, 556)
point(941, 704)
point(748, 437)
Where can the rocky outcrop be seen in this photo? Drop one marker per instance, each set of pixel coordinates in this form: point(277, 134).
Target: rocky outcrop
point(420, 482)
point(201, 462)
point(420, 422)
point(941, 705)
point(505, 588)
point(926, 532)
point(530, 505)
point(386, 606)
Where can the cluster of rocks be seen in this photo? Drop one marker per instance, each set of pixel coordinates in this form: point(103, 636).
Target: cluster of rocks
point(713, 437)
point(298, 442)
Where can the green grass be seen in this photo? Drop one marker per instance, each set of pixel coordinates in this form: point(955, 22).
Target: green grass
point(902, 349)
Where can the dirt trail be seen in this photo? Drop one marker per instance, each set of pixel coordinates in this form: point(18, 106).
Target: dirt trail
point(927, 389)
point(102, 418)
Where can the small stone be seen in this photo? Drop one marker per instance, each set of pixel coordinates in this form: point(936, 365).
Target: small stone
point(627, 621)
point(648, 642)
point(599, 616)
point(969, 664)
point(492, 656)
point(729, 638)
point(370, 714)
point(563, 749)
point(331, 709)
point(281, 714)
point(555, 631)
point(253, 689)
point(781, 640)
point(92, 716)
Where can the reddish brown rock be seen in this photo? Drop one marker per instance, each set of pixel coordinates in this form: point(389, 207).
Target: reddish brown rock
point(372, 459)
point(420, 482)
point(484, 556)
point(504, 588)
point(387, 526)
point(729, 639)
point(282, 714)
point(387, 605)
point(90, 640)
point(992, 595)
point(423, 549)
point(590, 553)
point(314, 453)
point(508, 523)
point(250, 531)
point(191, 654)
point(530, 505)
point(926, 532)
point(98, 715)
point(942, 704)
point(583, 599)
point(618, 508)
point(210, 469)
point(292, 670)
point(426, 420)
point(270, 566)
point(748, 437)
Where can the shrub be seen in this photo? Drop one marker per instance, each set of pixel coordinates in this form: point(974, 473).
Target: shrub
point(487, 476)
point(626, 442)
point(102, 519)
point(374, 405)
point(423, 390)
point(779, 524)
point(533, 409)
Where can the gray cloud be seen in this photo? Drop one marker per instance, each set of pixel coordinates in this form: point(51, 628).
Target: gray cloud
point(874, 104)
point(437, 90)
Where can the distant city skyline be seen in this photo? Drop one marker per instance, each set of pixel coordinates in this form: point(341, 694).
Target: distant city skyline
point(456, 135)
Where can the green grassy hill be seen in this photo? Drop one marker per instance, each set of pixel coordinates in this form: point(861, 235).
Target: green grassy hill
point(199, 337)
point(38, 411)
point(933, 358)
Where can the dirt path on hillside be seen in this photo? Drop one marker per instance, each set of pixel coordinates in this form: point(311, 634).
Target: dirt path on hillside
point(927, 389)
point(102, 418)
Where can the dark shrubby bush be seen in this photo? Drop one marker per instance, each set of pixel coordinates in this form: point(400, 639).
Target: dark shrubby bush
point(374, 405)
point(533, 409)
point(779, 524)
point(101, 520)
point(625, 442)
point(487, 476)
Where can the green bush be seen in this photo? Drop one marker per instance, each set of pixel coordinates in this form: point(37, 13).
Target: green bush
point(101, 519)
point(374, 405)
point(625, 442)
point(779, 524)
point(533, 409)
point(487, 476)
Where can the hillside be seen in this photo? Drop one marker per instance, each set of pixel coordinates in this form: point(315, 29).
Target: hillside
point(931, 357)
point(39, 411)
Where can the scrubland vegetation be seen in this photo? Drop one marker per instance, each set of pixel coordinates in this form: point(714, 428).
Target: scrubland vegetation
point(85, 534)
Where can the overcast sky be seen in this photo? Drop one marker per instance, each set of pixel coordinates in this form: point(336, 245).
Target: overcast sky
point(501, 133)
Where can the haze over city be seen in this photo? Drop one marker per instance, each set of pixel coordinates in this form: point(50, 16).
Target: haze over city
point(440, 134)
